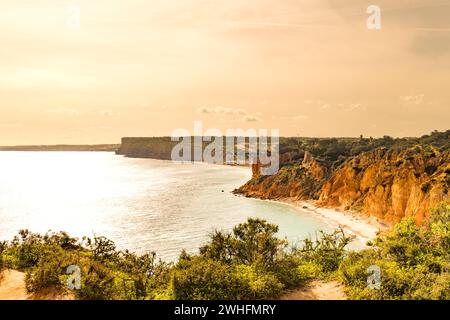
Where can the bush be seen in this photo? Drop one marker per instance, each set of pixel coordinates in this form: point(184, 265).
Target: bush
point(257, 284)
point(326, 252)
point(197, 278)
point(2, 263)
point(248, 263)
point(106, 272)
point(203, 279)
point(28, 248)
point(286, 270)
point(414, 262)
point(309, 270)
point(51, 265)
point(253, 242)
point(98, 283)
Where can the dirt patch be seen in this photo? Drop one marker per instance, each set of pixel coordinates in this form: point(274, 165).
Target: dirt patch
point(317, 290)
point(12, 287)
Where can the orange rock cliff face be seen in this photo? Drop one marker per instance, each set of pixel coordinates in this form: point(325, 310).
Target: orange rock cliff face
point(385, 183)
point(390, 184)
point(302, 181)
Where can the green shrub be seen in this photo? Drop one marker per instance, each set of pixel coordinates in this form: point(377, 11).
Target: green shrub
point(46, 274)
point(2, 262)
point(308, 270)
point(105, 272)
point(26, 249)
point(248, 263)
point(3, 246)
point(97, 282)
point(203, 279)
point(258, 284)
point(327, 251)
point(197, 278)
point(253, 242)
point(286, 270)
point(414, 262)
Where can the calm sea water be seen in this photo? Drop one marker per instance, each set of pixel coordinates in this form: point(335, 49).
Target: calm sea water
point(141, 204)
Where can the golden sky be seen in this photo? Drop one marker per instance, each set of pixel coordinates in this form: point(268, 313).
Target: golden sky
point(147, 67)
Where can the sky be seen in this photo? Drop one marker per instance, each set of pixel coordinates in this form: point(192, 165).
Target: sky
point(147, 68)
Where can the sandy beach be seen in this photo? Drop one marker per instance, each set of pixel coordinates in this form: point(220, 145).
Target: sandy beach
point(362, 227)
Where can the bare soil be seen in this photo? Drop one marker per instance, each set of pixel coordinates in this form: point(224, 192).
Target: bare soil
point(12, 287)
point(317, 290)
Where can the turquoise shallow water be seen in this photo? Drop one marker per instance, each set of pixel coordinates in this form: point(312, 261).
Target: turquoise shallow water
point(141, 204)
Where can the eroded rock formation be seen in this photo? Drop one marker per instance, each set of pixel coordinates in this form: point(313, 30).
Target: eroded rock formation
point(390, 184)
point(386, 183)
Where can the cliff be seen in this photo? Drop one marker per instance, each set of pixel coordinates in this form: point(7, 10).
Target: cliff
point(391, 184)
point(161, 148)
point(388, 183)
point(301, 180)
point(154, 148)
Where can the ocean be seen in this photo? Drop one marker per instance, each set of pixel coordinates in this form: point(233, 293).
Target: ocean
point(141, 204)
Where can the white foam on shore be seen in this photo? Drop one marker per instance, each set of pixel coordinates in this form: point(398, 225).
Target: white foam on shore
point(363, 228)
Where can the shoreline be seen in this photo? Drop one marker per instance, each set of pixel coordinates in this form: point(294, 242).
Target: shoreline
point(364, 228)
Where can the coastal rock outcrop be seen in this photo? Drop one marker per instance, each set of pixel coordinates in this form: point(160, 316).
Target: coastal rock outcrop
point(390, 184)
point(154, 148)
point(300, 180)
point(387, 183)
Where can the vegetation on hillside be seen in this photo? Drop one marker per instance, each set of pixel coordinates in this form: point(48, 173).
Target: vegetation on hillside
point(334, 151)
point(414, 261)
point(249, 262)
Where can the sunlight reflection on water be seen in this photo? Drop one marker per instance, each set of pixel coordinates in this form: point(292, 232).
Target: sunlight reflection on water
point(141, 204)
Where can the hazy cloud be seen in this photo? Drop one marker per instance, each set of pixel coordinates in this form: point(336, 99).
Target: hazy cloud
point(109, 113)
point(222, 110)
point(414, 99)
point(249, 118)
point(353, 106)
